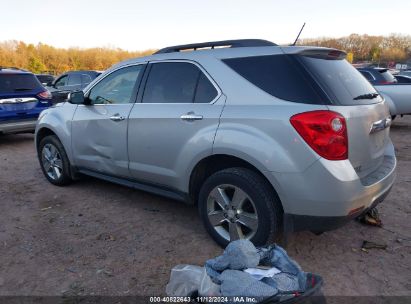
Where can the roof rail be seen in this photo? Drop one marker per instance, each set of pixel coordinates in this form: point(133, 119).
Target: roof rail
point(213, 44)
point(12, 68)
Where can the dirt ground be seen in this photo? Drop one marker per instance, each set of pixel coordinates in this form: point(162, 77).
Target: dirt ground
point(97, 238)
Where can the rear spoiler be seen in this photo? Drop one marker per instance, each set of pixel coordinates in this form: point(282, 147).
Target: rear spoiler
point(328, 54)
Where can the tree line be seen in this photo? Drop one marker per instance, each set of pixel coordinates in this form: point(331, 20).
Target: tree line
point(375, 49)
point(43, 58)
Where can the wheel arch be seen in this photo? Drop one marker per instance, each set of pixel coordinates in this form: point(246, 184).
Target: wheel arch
point(43, 132)
point(216, 162)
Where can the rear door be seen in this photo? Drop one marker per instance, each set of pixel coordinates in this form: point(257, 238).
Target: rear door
point(363, 108)
point(99, 130)
point(174, 122)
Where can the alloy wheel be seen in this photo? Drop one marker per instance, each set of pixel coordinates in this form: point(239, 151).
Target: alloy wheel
point(232, 213)
point(51, 160)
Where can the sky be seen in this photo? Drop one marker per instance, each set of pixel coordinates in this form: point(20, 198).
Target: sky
point(138, 25)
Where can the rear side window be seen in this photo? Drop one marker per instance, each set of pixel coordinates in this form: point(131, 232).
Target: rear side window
point(280, 76)
point(340, 80)
point(206, 91)
point(367, 75)
point(177, 82)
point(18, 83)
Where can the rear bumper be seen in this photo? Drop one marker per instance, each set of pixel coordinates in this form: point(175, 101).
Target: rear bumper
point(294, 222)
point(18, 126)
point(330, 193)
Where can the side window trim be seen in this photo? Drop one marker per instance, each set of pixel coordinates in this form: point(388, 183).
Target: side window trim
point(147, 73)
point(136, 88)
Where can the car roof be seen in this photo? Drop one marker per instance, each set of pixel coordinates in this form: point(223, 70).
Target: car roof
point(12, 70)
point(255, 48)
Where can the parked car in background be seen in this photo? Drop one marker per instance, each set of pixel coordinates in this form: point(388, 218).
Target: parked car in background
point(45, 79)
point(405, 73)
point(377, 75)
point(403, 78)
point(22, 98)
point(69, 82)
point(261, 137)
point(397, 95)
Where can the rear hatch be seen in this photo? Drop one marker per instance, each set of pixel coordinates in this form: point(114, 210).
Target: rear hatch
point(18, 96)
point(350, 94)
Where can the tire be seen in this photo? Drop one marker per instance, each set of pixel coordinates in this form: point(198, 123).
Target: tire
point(60, 163)
point(259, 203)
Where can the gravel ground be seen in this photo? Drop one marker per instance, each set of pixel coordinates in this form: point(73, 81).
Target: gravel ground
point(97, 238)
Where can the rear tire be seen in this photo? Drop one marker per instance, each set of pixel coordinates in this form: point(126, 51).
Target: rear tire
point(54, 161)
point(239, 203)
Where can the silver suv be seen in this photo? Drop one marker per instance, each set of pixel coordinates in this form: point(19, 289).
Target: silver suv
point(263, 138)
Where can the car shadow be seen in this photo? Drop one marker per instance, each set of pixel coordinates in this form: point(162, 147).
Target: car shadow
point(11, 139)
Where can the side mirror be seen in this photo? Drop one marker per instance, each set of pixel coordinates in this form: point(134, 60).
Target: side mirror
point(76, 97)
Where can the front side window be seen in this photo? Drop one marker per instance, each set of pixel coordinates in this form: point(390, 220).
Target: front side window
point(85, 79)
point(116, 88)
point(74, 79)
point(61, 82)
point(178, 82)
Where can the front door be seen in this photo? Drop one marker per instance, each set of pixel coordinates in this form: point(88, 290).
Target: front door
point(99, 129)
point(174, 123)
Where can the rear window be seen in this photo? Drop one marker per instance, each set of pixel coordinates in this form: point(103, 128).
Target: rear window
point(18, 83)
point(280, 76)
point(340, 80)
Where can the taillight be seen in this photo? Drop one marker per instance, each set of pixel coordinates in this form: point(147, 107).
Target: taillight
point(45, 94)
point(324, 131)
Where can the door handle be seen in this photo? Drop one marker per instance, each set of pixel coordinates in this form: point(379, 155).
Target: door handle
point(117, 117)
point(191, 116)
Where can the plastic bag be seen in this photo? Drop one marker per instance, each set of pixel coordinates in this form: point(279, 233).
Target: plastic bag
point(184, 280)
point(207, 287)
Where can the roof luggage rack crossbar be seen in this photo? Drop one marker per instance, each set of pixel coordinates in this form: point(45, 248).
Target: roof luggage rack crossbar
point(214, 44)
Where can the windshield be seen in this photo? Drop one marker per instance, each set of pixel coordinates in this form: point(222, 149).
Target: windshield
point(11, 83)
point(341, 81)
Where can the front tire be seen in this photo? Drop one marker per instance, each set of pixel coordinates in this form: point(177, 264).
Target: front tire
point(54, 161)
point(238, 203)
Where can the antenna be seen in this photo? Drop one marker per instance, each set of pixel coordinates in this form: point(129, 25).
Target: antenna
point(298, 36)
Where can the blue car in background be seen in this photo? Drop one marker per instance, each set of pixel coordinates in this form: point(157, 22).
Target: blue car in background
point(22, 98)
